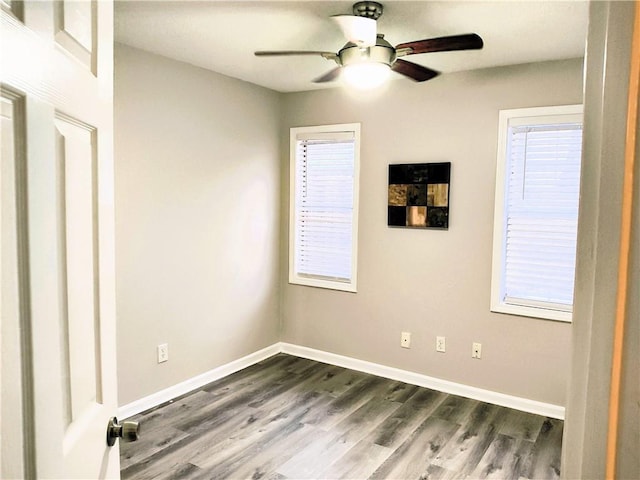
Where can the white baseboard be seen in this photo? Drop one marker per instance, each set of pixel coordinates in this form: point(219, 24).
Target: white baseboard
point(196, 382)
point(517, 403)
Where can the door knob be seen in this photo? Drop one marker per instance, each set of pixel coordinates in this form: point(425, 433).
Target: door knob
point(127, 431)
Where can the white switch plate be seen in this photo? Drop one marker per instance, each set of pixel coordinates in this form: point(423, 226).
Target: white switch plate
point(163, 352)
point(476, 350)
point(440, 344)
point(405, 339)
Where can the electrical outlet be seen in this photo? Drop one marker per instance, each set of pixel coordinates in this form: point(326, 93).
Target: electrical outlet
point(440, 344)
point(163, 352)
point(405, 339)
point(476, 350)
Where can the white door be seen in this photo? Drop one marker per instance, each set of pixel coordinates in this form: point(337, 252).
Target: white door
point(58, 315)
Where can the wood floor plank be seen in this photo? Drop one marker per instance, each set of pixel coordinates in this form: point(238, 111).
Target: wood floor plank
point(523, 459)
point(272, 366)
point(292, 418)
point(468, 446)
point(226, 449)
point(158, 427)
point(228, 431)
point(338, 409)
point(228, 400)
point(309, 459)
point(275, 476)
point(413, 457)
point(342, 381)
point(186, 470)
point(293, 382)
point(216, 415)
point(248, 388)
point(162, 464)
point(218, 406)
point(399, 391)
point(268, 460)
point(341, 439)
point(499, 461)
point(435, 472)
point(362, 459)
point(301, 366)
point(521, 425)
point(395, 429)
point(150, 442)
point(358, 462)
point(232, 456)
point(265, 460)
point(456, 409)
point(174, 410)
point(545, 456)
point(330, 378)
point(197, 443)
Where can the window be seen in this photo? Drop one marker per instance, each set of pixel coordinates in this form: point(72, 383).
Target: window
point(536, 211)
point(323, 219)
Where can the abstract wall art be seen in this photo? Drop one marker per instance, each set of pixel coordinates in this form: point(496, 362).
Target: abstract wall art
point(419, 195)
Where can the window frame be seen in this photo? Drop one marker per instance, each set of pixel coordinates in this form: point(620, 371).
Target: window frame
point(322, 130)
point(540, 115)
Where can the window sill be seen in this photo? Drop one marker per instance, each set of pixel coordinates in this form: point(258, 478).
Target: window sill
point(533, 312)
point(326, 284)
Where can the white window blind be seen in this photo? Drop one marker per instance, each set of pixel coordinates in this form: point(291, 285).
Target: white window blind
point(539, 216)
point(542, 214)
point(324, 209)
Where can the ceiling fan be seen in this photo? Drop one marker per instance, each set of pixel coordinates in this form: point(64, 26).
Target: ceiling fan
point(368, 53)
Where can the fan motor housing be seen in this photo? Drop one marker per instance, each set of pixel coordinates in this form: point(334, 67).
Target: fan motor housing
point(367, 9)
point(381, 52)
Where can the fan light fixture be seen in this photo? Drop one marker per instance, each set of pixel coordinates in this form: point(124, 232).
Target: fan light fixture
point(367, 59)
point(366, 75)
point(358, 30)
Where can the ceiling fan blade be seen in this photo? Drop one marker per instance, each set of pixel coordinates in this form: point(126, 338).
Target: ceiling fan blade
point(413, 70)
point(329, 76)
point(470, 41)
point(283, 53)
point(358, 30)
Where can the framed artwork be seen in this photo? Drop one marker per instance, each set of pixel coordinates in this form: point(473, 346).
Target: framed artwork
point(419, 195)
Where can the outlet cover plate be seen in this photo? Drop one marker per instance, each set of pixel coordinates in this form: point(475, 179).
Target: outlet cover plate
point(163, 352)
point(441, 344)
point(405, 339)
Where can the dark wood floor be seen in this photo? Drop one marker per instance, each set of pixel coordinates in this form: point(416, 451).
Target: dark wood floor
point(292, 418)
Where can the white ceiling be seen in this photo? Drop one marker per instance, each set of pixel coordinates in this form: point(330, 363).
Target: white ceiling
point(222, 36)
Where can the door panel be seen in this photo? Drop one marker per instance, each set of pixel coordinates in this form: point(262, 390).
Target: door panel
point(14, 7)
point(75, 29)
point(79, 322)
point(12, 441)
point(63, 69)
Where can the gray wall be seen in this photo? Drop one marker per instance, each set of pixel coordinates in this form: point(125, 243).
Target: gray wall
point(432, 282)
point(606, 89)
point(197, 215)
point(199, 162)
